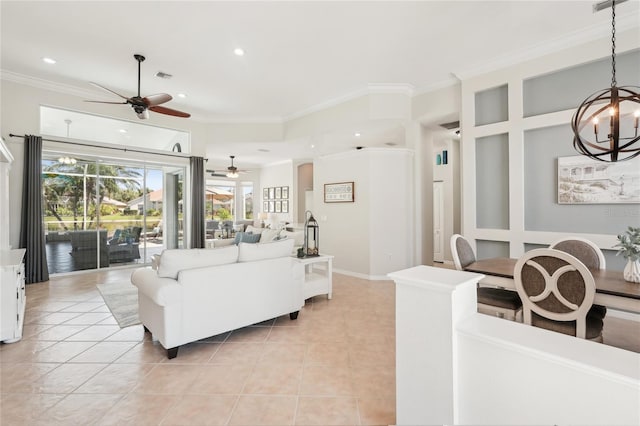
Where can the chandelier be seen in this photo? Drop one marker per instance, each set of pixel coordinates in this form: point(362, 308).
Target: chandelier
point(617, 106)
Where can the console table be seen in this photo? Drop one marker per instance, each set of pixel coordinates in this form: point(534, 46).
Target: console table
point(12, 294)
point(317, 280)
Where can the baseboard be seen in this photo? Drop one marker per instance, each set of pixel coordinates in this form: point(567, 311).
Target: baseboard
point(363, 276)
point(623, 315)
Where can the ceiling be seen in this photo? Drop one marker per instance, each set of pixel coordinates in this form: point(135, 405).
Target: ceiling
point(298, 55)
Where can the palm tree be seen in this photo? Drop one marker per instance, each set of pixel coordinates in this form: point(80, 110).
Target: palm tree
point(78, 181)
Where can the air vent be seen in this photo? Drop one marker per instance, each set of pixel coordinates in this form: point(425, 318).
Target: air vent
point(390, 143)
point(451, 125)
point(263, 150)
point(163, 75)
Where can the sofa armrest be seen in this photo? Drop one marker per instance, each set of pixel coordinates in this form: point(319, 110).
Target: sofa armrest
point(163, 291)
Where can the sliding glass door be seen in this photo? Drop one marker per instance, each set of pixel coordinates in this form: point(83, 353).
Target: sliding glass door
point(103, 213)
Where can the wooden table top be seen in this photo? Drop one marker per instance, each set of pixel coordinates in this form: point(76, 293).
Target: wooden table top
point(607, 281)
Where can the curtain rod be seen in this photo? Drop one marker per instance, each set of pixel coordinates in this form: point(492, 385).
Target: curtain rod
point(110, 147)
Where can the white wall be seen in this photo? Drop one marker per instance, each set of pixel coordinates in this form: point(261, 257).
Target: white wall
point(373, 235)
point(280, 174)
point(515, 127)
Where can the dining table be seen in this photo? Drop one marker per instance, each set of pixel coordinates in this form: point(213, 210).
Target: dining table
point(611, 288)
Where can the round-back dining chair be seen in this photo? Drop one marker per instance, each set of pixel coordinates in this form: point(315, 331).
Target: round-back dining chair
point(557, 292)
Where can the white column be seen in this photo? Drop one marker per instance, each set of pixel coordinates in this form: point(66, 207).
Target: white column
point(430, 302)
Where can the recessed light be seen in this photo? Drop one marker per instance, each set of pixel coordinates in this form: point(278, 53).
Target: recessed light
point(238, 51)
point(313, 146)
point(181, 95)
point(357, 135)
point(122, 131)
point(48, 60)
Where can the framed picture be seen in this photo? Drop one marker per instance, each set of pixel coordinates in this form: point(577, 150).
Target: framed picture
point(278, 206)
point(272, 193)
point(272, 207)
point(265, 206)
point(285, 206)
point(265, 193)
point(285, 192)
point(582, 180)
point(278, 192)
point(341, 192)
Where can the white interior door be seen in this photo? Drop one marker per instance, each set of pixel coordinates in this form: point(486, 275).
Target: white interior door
point(438, 222)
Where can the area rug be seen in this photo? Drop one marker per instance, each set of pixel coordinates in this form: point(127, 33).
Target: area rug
point(122, 300)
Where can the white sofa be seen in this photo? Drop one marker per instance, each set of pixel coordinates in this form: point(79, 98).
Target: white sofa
point(197, 293)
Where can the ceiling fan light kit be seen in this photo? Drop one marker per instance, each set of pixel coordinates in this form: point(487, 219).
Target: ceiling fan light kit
point(142, 105)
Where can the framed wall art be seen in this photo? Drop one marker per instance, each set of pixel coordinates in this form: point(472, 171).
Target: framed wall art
point(582, 180)
point(265, 193)
point(265, 206)
point(278, 206)
point(341, 192)
point(272, 193)
point(285, 206)
point(285, 192)
point(278, 193)
point(272, 207)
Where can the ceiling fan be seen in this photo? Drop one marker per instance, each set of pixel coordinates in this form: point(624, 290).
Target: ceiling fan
point(232, 171)
point(142, 105)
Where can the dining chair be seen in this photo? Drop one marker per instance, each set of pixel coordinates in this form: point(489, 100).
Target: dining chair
point(588, 253)
point(557, 292)
point(491, 300)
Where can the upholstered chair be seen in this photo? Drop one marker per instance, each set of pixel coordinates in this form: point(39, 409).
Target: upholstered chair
point(588, 253)
point(557, 292)
point(491, 301)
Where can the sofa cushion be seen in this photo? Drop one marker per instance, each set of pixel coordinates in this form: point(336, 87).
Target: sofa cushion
point(246, 237)
point(251, 252)
point(296, 236)
point(253, 230)
point(269, 235)
point(173, 261)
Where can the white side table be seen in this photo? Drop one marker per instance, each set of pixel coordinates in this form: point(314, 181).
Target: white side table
point(317, 280)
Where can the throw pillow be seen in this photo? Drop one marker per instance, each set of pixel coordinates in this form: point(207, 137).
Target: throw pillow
point(246, 237)
point(252, 252)
point(297, 236)
point(173, 261)
point(254, 230)
point(269, 235)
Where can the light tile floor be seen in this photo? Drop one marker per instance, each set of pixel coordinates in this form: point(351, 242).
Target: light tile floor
point(334, 365)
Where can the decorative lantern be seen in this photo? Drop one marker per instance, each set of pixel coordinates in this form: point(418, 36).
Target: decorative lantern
point(311, 235)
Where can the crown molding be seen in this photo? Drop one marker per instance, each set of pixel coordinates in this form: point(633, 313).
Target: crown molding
point(589, 34)
point(451, 81)
point(40, 83)
point(370, 89)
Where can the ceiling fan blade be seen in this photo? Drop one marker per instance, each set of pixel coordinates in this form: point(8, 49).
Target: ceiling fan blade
point(107, 102)
point(157, 99)
point(108, 90)
point(169, 111)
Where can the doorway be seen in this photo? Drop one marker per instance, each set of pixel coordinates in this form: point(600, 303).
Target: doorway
point(438, 221)
point(101, 213)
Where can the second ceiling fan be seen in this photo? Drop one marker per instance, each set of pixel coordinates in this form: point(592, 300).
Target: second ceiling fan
point(142, 105)
point(232, 171)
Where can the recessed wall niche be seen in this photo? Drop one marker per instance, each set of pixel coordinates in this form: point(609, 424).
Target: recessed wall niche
point(562, 90)
point(492, 105)
point(492, 182)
